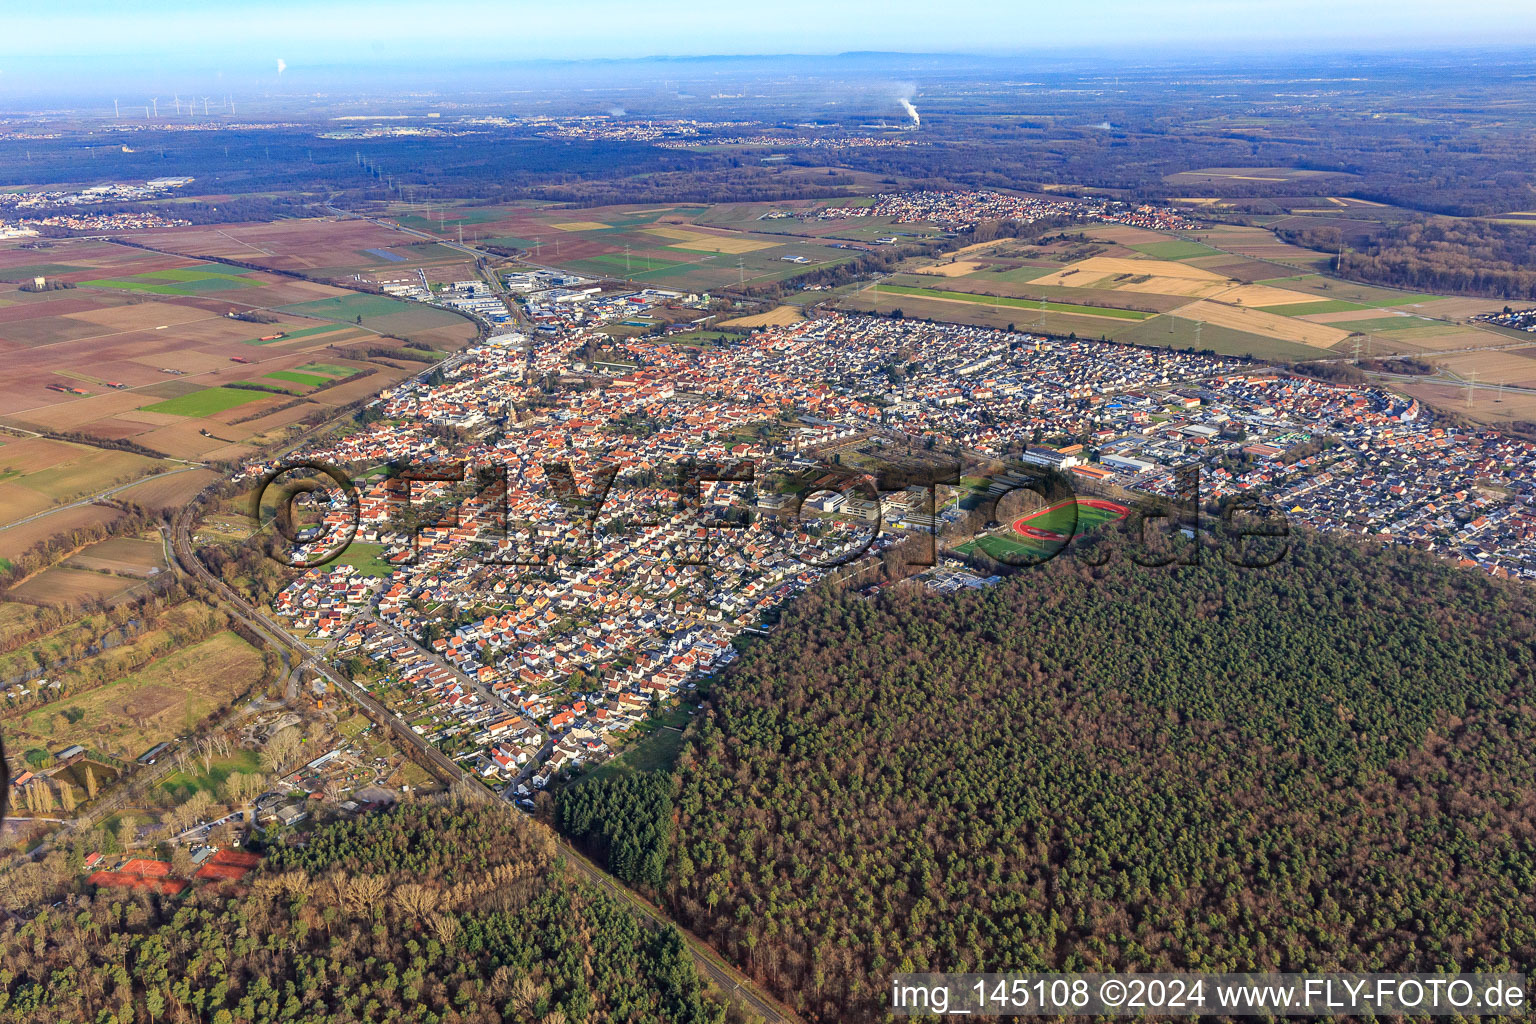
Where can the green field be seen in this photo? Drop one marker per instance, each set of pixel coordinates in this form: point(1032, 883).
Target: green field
point(305, 332)
point(155, 287)
point(1057, 519)
point(465, 217)
point(1000, 300)
point(1018, 275)
point(347, 307)
point(1061, 520)
point(206, 402)
point(202, 272)
point(182, 784)
point(198, 280)
point(293, 377)
point(1370, 296)
point(28, 271)
point(367, 559)
point(652, 746)
point(1177, 332)
point(1314, 308)
point(610, 263)
point(274, 386)
point(509, 242)
point(1176, 249)
point(1388, 323)
point(329, 369)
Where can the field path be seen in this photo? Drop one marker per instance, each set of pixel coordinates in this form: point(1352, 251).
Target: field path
point(92, 498)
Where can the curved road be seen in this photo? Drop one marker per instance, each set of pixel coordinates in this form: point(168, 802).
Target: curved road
point(91, 499)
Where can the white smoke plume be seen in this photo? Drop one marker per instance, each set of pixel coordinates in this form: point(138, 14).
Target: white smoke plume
point(282, 65)
point(904, 93)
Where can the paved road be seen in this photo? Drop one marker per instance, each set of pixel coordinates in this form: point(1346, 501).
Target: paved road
point(99, 495)
point(707, 961)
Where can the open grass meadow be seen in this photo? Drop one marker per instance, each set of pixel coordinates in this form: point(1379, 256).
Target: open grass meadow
point(206, 402)
point(366, 558)
point(1175, 249)
point(309, 380)
point(167, 697)
point(193, 778)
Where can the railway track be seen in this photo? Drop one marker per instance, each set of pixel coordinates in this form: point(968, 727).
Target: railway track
point(706, 960)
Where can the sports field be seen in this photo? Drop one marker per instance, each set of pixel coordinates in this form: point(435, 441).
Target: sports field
point(1045, 531)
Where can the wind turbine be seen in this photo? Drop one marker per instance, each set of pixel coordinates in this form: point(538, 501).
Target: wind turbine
point(178, 104)
point(156, 102)
point(205, 106)
point(115, 114)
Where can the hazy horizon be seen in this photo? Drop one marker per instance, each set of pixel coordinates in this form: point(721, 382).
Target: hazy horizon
point(75, 47)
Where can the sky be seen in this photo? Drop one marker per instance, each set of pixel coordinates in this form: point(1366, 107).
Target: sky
point(244, 33)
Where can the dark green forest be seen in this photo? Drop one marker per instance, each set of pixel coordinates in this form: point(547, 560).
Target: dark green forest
point(1326, 764)
point(626, 822)
point(424, 913)
point(1468, 257)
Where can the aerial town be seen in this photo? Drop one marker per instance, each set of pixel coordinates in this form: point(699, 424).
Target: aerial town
point(526, 637)
point(655, 514)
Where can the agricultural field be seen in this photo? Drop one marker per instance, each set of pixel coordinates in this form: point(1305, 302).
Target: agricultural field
point(64, 587)
point(1260, 243)
point(662, 246)
point(321, 247)
point(1227, 175)
point(205, 402)
point(1513, 366)
point(1175, 249)
point(143, 348)
point(22, 536)
point(165, 698)
point(123, 556)
point(37, 473)
point(983, 314)
point(755, 217)
point(898, 291)
point(1178, 292)
point(1485, 404)
point(1269, 325)
point(778, 316)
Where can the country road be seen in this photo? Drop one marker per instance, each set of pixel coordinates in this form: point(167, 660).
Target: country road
point(91, 498)
point(706, 960)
